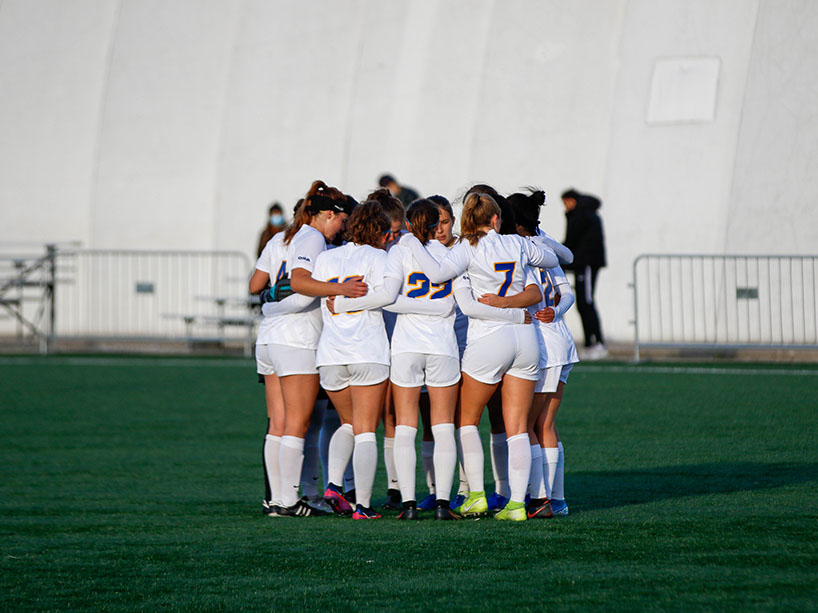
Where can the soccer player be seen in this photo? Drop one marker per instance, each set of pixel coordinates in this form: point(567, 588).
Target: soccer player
point(495, 351)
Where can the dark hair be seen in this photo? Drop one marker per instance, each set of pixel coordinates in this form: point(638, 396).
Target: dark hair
point(276, 207)
point(526, 209)
point(570, 193)
point(424, 216)
point(305, 213)
point(390, 205)
point(367, 224)
point(478, 209)
point(385, 180)
point(508, 225)
point(443, 203)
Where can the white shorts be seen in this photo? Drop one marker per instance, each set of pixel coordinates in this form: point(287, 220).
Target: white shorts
point(283, 360)
point(511, 350)
point(416, 369)
point(550, 378)
point(337, 377)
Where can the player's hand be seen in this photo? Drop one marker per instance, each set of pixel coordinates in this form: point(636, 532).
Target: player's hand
point(353, 288)
point(546, 315)
point(331, 304)
point(527, 317)
point(493, 300)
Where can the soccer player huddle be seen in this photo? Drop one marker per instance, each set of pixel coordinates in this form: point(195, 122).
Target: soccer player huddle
point(380, 313)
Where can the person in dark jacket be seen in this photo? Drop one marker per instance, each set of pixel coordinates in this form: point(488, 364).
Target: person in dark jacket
point(584, 236)
point(275, 224)
point(405, 194)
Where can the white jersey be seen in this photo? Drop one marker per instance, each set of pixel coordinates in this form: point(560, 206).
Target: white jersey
point(557, 338)
point(414, 332)
point(301, 329)
point(357, 337)
point(273, 261)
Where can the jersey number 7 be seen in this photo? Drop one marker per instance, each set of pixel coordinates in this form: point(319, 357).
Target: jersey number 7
point(508, 268)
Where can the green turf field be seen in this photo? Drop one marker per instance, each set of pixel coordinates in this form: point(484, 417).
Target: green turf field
point(133, 483)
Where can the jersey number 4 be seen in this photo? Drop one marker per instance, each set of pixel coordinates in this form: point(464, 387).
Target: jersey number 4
point(422, 286)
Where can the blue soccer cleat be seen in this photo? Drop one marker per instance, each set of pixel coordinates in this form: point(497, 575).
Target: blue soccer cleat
point(428, 503)
point(496, 502)
point(558, 507)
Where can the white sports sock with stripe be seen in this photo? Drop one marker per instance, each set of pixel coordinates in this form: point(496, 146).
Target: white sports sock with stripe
point(445, 457)
point(389, 462)
point(271, 448)
point(406, 461)
point(559, 477)
point(536, 483)
point(290, 458)
point(472, 448)
point(519, 466)
point(499, 463)
point(427, 455)
point(549, 462)
point(365, 462)
point(340, 453)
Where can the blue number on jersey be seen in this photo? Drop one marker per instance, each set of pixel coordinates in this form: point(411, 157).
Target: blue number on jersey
point(421, 284)
point(335, 280)
point(508, 268)
point(444, 291)
point(282, 271)
point(548, 291)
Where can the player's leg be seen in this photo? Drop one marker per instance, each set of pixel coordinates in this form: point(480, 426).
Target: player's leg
point(474, 395)
point(392, 489)
point(442, 407)
point(538, 505)
point(272, 441)
point(341, 446)
point(310, 471)
point(498, 451)
point(427, 453)
point(367, 402)
point(405, 401)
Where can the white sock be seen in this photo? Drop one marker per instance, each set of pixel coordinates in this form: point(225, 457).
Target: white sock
point(389, 461)
point(445, 457)
point(519, 466)
point(472, 448)
point(499, 463)
point(406, 460)
point(331, 423)
point(427, 455)
point(349, 473)
point(536, 483)
point(271, 447)
point(340, 453)
point(559, 478)
point(463, 486)
point(550, 457)
point(365, 462)
point(290, 458)
point(309, 469)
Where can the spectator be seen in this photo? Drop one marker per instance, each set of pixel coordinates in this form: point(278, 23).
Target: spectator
point(584, 236)
point(406, 195)
point(275, 224)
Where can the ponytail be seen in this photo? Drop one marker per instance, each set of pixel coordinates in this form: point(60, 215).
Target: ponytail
point(423, 216)
point(478, 209)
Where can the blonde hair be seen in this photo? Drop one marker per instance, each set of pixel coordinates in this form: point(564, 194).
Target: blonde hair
point(478, 209)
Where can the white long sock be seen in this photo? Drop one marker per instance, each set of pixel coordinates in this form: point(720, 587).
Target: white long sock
point(290, 458)
point(331, 423)
point(309, 469)
point(536, 483)
point(365, 462)
point(271, 447)
point(550, 458)
point(340, 453)
point(499, 463)
point(519, 466)
point(559, 478)
point(445, 457)
point(472, 448)
point(389, 462)
point(406, 461)
point(463, 486)
point(427, 455)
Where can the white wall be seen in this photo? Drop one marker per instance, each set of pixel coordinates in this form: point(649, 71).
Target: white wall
point(153, 124)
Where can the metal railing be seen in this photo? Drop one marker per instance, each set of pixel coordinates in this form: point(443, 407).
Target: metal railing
point(118, 295)
point(725, 301)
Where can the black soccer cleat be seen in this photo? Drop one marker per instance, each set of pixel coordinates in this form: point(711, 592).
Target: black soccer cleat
point(443, 512)
point(350, 496)
point(299, 509)
point(539, 508)
point(410, 511)
point(393, 501)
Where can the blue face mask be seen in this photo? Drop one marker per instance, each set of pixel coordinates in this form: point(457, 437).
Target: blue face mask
point(276, 219)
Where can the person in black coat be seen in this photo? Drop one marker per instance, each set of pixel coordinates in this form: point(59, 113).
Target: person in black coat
point(584, 236)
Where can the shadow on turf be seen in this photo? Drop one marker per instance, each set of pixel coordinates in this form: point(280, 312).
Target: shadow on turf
point(607, 489)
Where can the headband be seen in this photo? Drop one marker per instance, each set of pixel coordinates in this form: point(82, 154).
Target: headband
point(325, 203)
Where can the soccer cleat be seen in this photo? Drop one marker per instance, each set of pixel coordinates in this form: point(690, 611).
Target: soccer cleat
point(539, 508)
point(336, 500)
point(299, 509)
point(410, 511)
point(443, 512)
point(265, 507)
point(317, 502)
point(393, 500)
point(350, 496)
point(458, 500)
point(513, 511)
point(428, 503)
point(475, 505)
point(559, 507)
point(365, 513)
point(497, 502)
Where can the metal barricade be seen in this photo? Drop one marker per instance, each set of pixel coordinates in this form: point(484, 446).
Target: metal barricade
point(725, 301)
